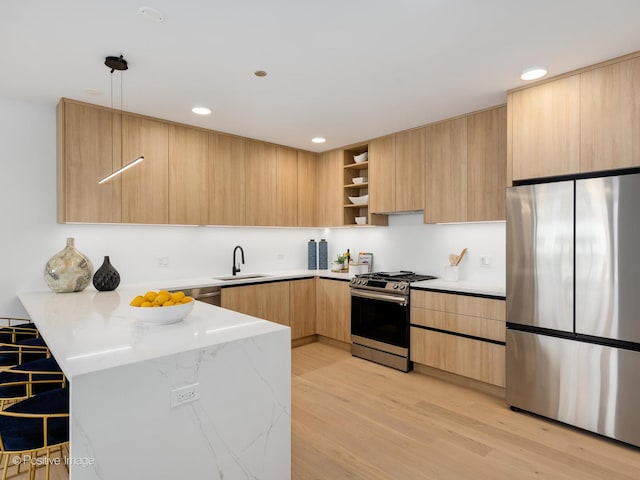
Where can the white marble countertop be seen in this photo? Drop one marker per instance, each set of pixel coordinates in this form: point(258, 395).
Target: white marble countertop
point(90, 330)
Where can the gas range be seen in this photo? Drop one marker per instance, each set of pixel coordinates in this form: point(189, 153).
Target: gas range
point(389, 282)
point(380, 317)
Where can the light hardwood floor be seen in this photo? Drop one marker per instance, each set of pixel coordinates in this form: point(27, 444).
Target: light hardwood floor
point(352, 419)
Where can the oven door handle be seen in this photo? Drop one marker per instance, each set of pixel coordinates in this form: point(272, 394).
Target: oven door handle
point(399, 299)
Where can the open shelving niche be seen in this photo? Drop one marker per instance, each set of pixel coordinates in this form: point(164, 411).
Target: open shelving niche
point(350, 189)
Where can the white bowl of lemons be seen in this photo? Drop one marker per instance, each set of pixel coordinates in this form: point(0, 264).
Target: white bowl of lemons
point(161, 308)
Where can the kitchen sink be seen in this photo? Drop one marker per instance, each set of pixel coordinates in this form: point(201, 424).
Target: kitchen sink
point(241, 277)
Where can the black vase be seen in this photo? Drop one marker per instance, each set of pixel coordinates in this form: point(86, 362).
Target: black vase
point(106, 277)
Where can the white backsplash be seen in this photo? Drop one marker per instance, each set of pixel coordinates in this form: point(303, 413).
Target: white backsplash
point(408, 244)
point(30, 234)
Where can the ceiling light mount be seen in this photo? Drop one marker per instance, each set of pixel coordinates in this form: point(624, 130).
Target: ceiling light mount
point(116, 63)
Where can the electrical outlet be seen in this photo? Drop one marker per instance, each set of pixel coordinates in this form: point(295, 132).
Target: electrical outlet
point(485, 261)
point(163, 262)
point(182, 395)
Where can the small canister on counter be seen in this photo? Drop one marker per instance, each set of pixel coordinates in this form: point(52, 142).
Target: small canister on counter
point(323, 254)
point(312, 255)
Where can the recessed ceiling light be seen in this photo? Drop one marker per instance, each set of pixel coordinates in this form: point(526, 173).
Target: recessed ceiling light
point(533, 73)
point(318, 139)
point(260, 73)
point(92, 91)
point(152, 14)
point(201, 110)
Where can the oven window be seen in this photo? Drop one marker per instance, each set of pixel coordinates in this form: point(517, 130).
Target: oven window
point(378, 320)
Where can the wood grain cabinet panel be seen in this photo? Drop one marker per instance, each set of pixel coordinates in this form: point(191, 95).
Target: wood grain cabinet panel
point(302, 307)
point(188, 176)
point(330, 173)
point(261, 184)
point(226, 180)
point(269, 301)
point(333, 309)
point(88, 149)
point(307, 189)
point(145, 192)
point(456, 318)
point(382, 175)
point(481, 361)
point(446, 172)
point(286, 214)
point(409, 170)
point(610, 116)
point(486, 165)
point(545, 129)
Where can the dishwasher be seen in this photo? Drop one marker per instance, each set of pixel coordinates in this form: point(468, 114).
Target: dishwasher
point(209, 294)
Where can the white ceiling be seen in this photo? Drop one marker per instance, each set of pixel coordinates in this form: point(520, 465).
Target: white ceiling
point(348, 70)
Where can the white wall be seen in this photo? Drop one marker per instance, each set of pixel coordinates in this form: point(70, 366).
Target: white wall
point(30, 234)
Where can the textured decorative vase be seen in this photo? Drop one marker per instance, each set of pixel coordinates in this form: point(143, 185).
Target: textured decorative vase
point(106, 277)
point(68, 270)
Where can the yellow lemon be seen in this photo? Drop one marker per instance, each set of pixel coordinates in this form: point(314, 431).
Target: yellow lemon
point(136, 302)
point(187, 300)
point(150, 296)
point(146, 304)
point(177, 297)
point(161, 298)
point(168, 303)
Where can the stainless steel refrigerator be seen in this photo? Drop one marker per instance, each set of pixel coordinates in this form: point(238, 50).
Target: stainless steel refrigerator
point(573, 303)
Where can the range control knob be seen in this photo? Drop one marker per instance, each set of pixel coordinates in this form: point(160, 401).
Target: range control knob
point(395, 286)
point(354, 281)
point(403, 287)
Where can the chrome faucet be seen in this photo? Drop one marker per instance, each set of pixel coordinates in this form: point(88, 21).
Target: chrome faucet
point(235, 269)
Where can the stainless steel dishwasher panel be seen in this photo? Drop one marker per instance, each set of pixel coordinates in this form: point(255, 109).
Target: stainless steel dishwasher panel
point(208, 294)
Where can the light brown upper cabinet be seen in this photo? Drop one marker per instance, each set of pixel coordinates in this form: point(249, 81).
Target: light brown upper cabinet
point(486, 165)
point(88, 149)
point(396, 172)
point(409, 167)
point(307, 189)
point(188, 176)
point(286, 187)
point(545, 129)
point(145, 192)
point(382, 174)
point(610, 116)
point(261, 183)
point(584, 121)
point(226, 180)
point(446, 172)
point(466, 171)
point(330, 171)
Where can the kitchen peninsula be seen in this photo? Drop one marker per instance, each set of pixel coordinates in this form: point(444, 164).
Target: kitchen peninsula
point(122, 374)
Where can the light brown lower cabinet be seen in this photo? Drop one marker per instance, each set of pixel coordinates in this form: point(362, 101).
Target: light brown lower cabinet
point(291, 303)
point(302, 307)
point(471, 358)
point(333, 309)
point(460, 334)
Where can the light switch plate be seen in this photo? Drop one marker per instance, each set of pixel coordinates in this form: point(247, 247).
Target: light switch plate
point(485, 260)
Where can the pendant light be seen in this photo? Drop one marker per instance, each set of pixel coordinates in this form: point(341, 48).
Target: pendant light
point(120, 64)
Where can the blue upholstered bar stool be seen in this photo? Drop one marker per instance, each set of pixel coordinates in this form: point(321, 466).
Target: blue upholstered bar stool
point(28, 379)
point(35, 427)
point(23, 351)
